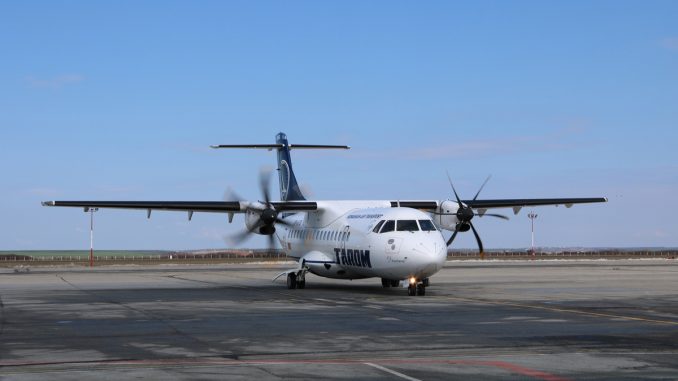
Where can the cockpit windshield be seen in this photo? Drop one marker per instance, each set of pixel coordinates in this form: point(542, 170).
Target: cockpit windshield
point(427, 225)
point(385, 226)
point(407, 226)
point(388, 226)
point(378, 226)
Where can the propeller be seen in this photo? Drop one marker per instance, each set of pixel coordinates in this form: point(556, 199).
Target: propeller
point(465, 214)
point(267, 215)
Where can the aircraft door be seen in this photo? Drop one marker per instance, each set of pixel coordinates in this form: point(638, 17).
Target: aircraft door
point(344, 236)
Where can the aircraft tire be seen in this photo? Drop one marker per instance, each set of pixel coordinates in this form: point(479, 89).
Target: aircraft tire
point(291, 281)
point(421, 290)
point(411, 290)
point(425, 282)
point(301, 284)
point(395, 283)
point(385, 283)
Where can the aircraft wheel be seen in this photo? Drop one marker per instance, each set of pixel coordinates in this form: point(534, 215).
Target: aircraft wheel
point(395, 283)
point(425, 282)
point(411, 290)
point(385, 283)
point(301, 284)
point(291, 281)
point(421, 290)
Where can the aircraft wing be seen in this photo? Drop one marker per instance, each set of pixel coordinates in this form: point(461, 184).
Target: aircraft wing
point(513, 203)
point(186, 206)
point(502, 203)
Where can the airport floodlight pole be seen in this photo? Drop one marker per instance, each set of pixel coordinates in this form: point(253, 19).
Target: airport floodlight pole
point(532, 216)
point(91, 235)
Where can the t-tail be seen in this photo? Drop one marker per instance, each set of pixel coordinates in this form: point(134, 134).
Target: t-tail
point(289, 188)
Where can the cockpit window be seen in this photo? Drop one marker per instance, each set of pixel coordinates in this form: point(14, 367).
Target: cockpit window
point(376, 228)
point(407, 226)
point(427, 225)
point(388, 226)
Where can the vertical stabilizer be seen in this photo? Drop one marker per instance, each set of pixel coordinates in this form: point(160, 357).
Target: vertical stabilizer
point(289, 189)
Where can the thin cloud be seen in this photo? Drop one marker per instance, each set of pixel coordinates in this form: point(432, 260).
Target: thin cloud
point(55, 82)
point(44, 192)
point(560, 139)
point(670, 43)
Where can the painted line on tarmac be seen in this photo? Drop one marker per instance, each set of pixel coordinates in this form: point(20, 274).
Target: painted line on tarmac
point(212, 361)
point(567, 310)
point(391, 371)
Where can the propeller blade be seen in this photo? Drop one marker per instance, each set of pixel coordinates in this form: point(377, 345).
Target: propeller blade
point(449, 241)
point(264, 181)
point(454, 190)
point(495, 215)
point(238, 238)
point(481, 187)
point(232, 195)
point(480, 243)
point(271, 242)
point(282, 222)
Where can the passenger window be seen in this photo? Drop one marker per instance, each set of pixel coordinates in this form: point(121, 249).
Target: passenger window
point(388, 226)
point(376, 228)
point(407, 226)
point(427, 225)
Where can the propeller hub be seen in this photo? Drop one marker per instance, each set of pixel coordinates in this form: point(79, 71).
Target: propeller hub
point(268, 216)
point(465, 214)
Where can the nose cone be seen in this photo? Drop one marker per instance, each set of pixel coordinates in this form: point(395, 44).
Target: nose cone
point(429, 255)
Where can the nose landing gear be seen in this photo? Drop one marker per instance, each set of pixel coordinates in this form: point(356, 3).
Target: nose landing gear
point(417, 287)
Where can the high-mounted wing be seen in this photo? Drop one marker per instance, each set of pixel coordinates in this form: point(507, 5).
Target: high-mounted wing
point(186, 206)
point(512, 203)
point(501, 203)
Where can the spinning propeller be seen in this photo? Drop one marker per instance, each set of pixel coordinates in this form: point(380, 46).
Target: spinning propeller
point(264, 212)
point(465, 214)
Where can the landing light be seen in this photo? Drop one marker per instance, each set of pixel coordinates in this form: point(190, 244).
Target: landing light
point(413, 280)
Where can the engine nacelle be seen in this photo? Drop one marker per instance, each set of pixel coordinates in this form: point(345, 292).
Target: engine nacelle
point(445, 215)
point(252, 220)
point(260, 220)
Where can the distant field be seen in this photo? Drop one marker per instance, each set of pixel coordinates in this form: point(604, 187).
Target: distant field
point(83, 253)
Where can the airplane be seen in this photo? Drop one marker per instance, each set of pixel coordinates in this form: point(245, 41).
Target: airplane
point(399, 241)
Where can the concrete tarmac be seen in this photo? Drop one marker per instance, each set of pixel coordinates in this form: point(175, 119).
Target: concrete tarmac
point(489, 320)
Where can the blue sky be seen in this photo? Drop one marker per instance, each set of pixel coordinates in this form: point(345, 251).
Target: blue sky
point(120, 101)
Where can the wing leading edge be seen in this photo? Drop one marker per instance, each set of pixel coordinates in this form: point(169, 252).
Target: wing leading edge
point(186, 206)
point(502, 203)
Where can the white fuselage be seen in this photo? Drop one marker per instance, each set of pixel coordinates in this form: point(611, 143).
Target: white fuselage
point(339, 241)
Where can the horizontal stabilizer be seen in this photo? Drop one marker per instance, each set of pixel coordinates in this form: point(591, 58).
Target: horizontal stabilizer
point(277, 146)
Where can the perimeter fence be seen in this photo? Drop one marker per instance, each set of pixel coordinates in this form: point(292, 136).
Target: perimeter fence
point(273, 255)
point(165, 256)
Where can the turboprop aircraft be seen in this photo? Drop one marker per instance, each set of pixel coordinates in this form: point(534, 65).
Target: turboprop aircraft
point(395, 240)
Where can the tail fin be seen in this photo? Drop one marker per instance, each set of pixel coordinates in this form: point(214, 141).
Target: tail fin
point(289, 189)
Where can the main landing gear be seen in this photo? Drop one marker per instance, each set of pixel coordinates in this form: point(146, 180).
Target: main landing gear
point(296, 280)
